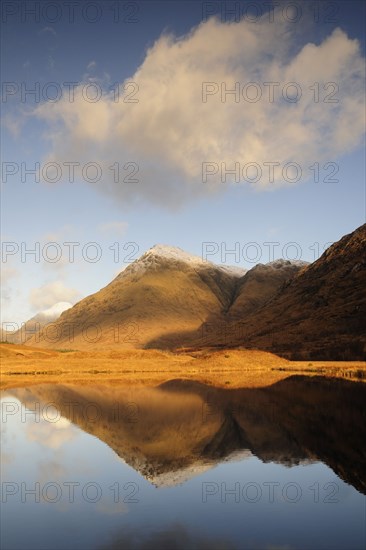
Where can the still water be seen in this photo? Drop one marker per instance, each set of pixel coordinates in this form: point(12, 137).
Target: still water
point(184, 466)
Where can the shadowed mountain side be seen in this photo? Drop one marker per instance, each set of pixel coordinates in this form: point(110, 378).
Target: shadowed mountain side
point(322, 417)
point(317, 314)
point(260, 284)
point(180, 429)
point(228, 439)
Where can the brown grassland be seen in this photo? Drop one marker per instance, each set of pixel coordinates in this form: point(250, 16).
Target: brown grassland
point(24, 366)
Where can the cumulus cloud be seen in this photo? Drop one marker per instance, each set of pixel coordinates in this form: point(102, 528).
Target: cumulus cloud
point(160, 131)
point(50, 294)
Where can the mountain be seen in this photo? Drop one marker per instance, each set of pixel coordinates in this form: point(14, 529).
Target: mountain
point(161, 296)
point(31, 327)
point(319, 313)
point(164, 300)
point(168, 299)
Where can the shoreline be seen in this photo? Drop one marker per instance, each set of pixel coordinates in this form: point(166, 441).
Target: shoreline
point(24, 366)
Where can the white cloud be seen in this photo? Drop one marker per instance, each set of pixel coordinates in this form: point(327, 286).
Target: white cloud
point(49, 294)
point(52, 313)
point(170, 132)
point(91, 65)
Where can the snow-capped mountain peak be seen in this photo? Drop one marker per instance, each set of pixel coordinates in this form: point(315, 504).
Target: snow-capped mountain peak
point(163, 255)
point(172, 253)
point(160, 255)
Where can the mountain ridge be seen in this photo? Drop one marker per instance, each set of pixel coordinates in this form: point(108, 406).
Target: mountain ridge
point(167, 299)
point(164, 289)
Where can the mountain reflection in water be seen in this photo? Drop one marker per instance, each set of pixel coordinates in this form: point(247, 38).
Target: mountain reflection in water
point(182, 428)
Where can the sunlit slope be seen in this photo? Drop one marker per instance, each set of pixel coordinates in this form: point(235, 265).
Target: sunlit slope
point(169, 299)
point(165, 299)
point(155, 297)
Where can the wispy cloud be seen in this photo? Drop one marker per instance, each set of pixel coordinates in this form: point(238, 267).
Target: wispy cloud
point(13, 124)
point(114, 228)
point(49, 30)
point(9, 274)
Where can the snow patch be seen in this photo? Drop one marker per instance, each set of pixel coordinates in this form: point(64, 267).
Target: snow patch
point(172, 253)
point(233, 270)
point(160, 253)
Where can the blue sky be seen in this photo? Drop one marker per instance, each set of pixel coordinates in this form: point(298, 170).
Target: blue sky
point(168, 50)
